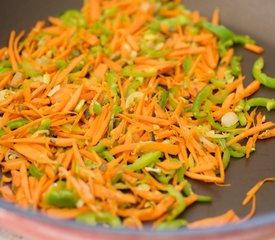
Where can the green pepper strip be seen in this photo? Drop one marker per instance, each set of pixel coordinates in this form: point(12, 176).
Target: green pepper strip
point(100, 147)
point(116, 110)
point(133, 86)
point(35, 172)
point(163, 97)
point(268, 103)
point(144, 161)
point(5, 66)
point(217, 83)
point(176, 21)
point(241, 106)
point(187, 65)
point(101, 218)
point(99, 28)
point(220, 31)
point(260, 76)
point(223, 46)
point(110, 12)
point(242, 119)
point(45, 124)
point(225, 34)
point(29, 70)
point(155, 53)
point(226, 158)
point(180, 200)
point(2, 132)
point(162, 178)
point(204, 199)
point(112, 79)
point(172, 103)
point(199, 99)
point(218, 126)
point(187, 190)
point(180, 173)
point(154, 27)
point(238, 147)
point(17, 123)
point(236, 154)
point(59, 196)
point(219, 97)
point(235, 65)
point(73, 18)
point(128, 71)
point(212, 121)
point(243, 39)
point(152, 136)
point(107, 155)
point(97, 108)
point(172, 224)
point(79, 106)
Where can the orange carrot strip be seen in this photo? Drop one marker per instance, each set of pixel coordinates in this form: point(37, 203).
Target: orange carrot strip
point(11, 52)
point(214, 221)
point(252, 192)
point(250, 132)
point(25, 182)
point(73, 100)
point(254, 48)
point(66, 213)
point(31, 153)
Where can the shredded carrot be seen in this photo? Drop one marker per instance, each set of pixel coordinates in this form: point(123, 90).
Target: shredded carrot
point(214, 221)
point(250, 132)
point(252, 192)
point(254, 48)
point(112, 110)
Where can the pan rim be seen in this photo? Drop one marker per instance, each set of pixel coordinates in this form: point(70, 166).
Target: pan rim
point(259, 221)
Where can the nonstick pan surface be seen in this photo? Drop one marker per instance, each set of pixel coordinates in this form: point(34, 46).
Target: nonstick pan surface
point(253, 17)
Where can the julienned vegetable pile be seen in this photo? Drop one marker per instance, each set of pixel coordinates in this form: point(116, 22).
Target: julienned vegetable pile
point(107, 112)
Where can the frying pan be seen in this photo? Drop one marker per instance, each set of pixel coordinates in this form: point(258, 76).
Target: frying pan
point(253, 17)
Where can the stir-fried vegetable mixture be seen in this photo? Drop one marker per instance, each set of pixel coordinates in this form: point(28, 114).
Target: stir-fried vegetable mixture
point(107, 112)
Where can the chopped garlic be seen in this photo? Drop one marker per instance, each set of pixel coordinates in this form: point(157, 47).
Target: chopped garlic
point(229, 119)
point(145, 7)
point(135, 96)
point(53, 90)
point(150, 169)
